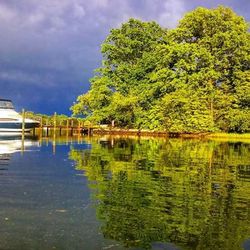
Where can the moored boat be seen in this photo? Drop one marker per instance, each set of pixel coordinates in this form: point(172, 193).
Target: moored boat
point(11, 121)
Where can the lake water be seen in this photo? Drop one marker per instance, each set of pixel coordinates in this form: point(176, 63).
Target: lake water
point(119, 193)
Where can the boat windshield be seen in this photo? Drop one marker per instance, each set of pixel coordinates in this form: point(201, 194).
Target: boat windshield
point(6, 104)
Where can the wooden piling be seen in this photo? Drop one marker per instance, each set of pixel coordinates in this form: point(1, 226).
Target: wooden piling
point(54, 123)
point(23, 129)
point(23, 121)
point(72, 127)
point(67, 128)
point(41, 126)
point(79, 127)
point(41, 122)
point(54, 135)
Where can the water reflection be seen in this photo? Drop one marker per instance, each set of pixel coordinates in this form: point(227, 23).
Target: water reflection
point(170, 194)
point(12, 144)
point(147, 193)
point(44, 204)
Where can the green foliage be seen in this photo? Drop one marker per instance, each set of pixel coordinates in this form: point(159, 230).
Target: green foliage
point(185, 111)
point(193, 78)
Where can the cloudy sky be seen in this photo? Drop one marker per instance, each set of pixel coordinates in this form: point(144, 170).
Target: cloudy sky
point(49, 48)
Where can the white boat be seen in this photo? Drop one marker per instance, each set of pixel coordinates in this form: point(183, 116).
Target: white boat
point(11, 121)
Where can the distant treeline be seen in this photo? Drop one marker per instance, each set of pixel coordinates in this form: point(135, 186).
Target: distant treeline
point(193, 78)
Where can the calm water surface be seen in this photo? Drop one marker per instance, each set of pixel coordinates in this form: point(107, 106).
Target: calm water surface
point(119, 193)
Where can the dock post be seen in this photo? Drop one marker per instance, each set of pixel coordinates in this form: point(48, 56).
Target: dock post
point(54, 135)
point(23, 129)
point(55, 124)
point(23, 121)
point(47, 128)
point(67, 128)
point(79, 127)
point(72, 127)
point(60, 128)
point(41, 126)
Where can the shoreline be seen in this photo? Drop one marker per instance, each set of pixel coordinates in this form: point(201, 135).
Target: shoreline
point(200, 135)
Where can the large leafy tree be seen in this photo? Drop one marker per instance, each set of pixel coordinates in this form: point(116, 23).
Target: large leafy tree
point(224, 35)
point(192, 78)
point(114, 90)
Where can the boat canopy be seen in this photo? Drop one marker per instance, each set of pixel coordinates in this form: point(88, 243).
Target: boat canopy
point(6, 104)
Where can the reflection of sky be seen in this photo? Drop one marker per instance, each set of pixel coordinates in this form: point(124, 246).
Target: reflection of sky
point(45, 203)
point(48, 49)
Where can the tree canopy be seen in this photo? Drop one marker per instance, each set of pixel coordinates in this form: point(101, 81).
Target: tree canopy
point(193, 78)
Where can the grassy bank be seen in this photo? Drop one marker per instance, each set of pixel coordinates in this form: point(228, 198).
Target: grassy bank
point(229, 135)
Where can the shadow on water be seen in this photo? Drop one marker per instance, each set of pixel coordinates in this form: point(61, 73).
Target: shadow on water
point(147, 193)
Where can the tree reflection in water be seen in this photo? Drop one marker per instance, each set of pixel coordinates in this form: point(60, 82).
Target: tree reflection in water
point(193, 193)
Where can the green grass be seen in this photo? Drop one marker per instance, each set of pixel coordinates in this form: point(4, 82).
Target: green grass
point(229, 135)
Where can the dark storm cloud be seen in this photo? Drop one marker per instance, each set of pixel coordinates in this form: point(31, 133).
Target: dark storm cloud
point(49, 48)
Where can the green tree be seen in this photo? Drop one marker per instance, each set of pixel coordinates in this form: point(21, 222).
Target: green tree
point(122, 74)
point(190, 79)
point(224, 35)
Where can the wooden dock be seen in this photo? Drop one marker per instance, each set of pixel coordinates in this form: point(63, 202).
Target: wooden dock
point(69, 126)
point(49, 130)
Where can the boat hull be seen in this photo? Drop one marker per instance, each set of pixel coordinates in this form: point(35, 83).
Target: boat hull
point(16, 127)
point(11, 121)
